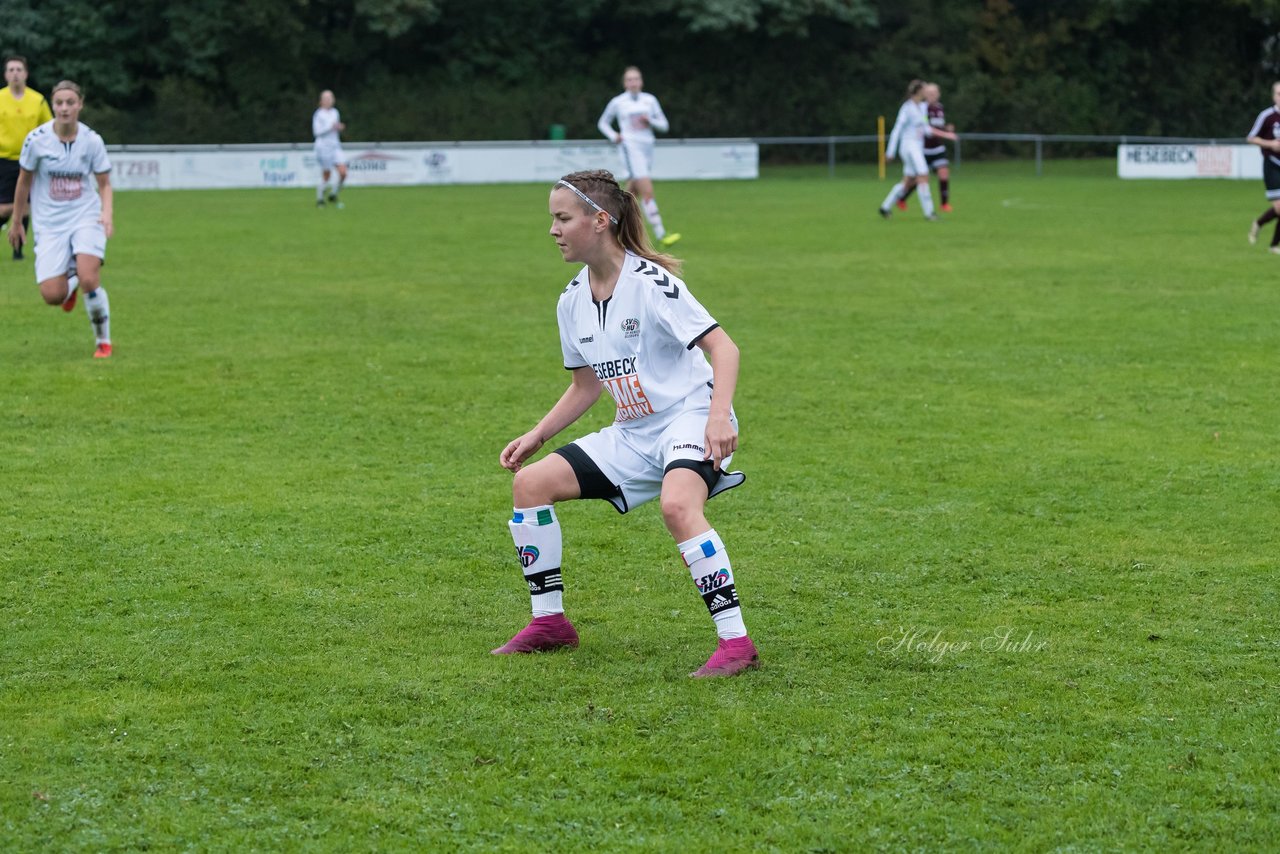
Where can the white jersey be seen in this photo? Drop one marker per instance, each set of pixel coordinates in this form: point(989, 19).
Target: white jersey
point(629, 111)
point(909, 129)
point(641, 342)
point(64, 193)
point(324, 127)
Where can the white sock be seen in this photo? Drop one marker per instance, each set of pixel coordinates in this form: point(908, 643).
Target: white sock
point(655, 218)
point(99, 311)
point(536, 532)
point(712, 573)
point(335, 186)
point(892, 198)
point(926, 199)
point(73, 281)
point(320, 190)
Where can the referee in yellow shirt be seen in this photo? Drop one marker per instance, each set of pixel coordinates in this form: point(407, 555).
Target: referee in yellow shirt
point(22, 110)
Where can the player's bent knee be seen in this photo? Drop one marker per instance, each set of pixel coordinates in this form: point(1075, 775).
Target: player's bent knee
point(547, 481)
point(54, 291)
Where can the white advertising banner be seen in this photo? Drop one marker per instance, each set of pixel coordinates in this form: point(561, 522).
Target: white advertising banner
point(1189, 161)
point(147, 168)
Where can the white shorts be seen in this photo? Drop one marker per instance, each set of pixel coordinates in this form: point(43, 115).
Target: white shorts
point(637, 160)
point(634, 458)
point(327, 158)
point(913, 160)
point(56, 251)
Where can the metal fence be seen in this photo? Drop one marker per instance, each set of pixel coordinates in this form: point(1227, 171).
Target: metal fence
point(1038, 140)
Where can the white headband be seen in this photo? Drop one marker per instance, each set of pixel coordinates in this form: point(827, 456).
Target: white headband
point(587, 199)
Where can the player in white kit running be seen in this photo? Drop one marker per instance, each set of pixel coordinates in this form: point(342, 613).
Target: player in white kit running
point(629, 325)
point(61, 161)
point(637, 114)
point(326, 124)
point(907, 141)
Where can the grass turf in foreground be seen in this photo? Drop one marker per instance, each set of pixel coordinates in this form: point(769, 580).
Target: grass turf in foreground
point(1007, 544)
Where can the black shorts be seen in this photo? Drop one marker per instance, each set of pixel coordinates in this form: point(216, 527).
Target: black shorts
point(937, 160)
point(9, 170)
point(1271, 178)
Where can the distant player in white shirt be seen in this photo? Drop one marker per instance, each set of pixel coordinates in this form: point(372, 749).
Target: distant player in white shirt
point(907, 141)
point(637, 114)
point(325, 127)
point(60, 163)
point(630, 326)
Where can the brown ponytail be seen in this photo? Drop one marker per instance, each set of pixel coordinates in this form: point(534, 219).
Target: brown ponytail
point(603, 189)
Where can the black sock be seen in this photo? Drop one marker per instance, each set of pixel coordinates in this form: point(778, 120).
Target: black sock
point(944, 185)
point(1275, 238)
point(3, 220)
point(911, 188)
point(1267, 215)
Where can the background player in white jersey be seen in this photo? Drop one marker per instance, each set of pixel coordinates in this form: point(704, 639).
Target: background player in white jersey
point(629, 325)
point(907, 141)
point(935, 150)
point(638, 114)
point(60, 162)
point(325, 126)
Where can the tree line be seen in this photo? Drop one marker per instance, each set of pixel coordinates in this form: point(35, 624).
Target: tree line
point(188, 71)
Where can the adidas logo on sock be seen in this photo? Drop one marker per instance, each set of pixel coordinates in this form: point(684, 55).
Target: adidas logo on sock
point(719, 603)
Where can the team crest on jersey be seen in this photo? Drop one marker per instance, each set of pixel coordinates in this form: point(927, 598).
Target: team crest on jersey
point(528, 554)
point(631, 326)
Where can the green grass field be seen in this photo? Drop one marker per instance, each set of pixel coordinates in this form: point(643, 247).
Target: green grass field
point(1008, 546)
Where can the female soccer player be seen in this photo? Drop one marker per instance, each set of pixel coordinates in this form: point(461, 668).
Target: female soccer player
point(907, 139)
point(1266, 135)
point(57, 161)
point(325, 125)
point(638, 114)
point(628, 324)
point(935, 152)
point(22, 110)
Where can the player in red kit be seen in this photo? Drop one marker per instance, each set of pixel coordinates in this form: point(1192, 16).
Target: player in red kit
point(1266, 135)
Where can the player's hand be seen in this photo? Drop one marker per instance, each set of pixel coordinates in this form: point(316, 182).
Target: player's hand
point(107, 227)
point(642, 121)
point(519, 450)
point(721, 439)
point(340, 125)
point(17, 234)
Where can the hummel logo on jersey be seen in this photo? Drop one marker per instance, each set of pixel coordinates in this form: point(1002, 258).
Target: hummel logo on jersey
point(660, 279)
point(587, 340)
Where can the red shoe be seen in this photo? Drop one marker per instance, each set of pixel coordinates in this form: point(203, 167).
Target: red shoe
point(946, 207)
point(730, 658)
point(543, 634)
point(70, 302)
point(902, 204)
point(103, 351)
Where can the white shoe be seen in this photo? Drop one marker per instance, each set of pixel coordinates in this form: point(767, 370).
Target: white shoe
point(1253, 232)
point(1275, 250)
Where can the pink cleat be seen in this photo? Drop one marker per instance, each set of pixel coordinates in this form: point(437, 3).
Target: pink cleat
point(70, 302)
point(102, 352)
point(902, 204)
point(543, 634)
point(730, 658)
